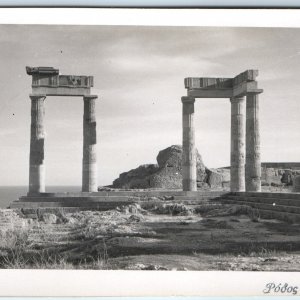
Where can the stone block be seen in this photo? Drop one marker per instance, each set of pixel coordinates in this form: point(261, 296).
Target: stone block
point(287, 177)
point(214, 179)
point(296, 184)
point(48, 218)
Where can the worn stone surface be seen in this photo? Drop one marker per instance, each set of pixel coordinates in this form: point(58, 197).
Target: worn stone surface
point(237, 153)
point(278, 176)
point(296, 184)
point(37, 140)
point(224, 172)
point(136, 178)
point(170, 157)
point(271, 175)
point(214, 179)
point(253, 165)
point(47, 81)
point(287, 177)
point(49, 218)
point(166, 174)
point(168, 178)
point(189, 168)
point(89, 160)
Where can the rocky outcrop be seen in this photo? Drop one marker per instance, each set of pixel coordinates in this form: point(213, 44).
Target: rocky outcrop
point(214, 179)
point(138, 178)
point(167, 173)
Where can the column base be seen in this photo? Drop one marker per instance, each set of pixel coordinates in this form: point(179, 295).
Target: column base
point(253, 185)
point(189, 185)
point(37, 179)
point(89, 178)
point(237, 180)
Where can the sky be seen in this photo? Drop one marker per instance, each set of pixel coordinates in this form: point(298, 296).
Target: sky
point(139, 76)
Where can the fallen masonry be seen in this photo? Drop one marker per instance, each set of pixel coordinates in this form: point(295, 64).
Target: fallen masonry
point(153, 234)
point(282, 206)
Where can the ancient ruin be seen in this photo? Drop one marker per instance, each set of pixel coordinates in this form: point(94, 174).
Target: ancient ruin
point(47, 82)
point(243, 176)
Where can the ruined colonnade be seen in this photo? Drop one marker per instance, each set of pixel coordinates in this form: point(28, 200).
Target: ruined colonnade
point(245, 174)
point(47, 82)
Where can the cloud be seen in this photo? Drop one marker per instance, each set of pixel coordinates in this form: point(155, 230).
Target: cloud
point(138, 74)
point(7, 132)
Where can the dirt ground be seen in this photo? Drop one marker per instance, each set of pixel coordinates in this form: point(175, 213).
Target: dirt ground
point(215, 243)
point(219, 243)
point(159, 237)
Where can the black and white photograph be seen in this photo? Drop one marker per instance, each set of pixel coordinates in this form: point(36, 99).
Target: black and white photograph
point(171, 148)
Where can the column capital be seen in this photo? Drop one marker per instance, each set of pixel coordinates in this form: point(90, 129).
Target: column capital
point(186, 99)
point(37, 96)
point(254, 93)
point(236, 99)
point(90, 97)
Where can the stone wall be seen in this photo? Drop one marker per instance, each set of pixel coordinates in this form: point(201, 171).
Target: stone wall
point(278, 176)
point(281, 165)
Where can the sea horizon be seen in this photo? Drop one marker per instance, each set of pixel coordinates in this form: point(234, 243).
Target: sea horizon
point(10, 193)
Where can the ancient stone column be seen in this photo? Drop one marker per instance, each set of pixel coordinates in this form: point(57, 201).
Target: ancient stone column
point(89, 160)
point(37, 139)
point(237, 157)
point(189, 169)
point(253, 165)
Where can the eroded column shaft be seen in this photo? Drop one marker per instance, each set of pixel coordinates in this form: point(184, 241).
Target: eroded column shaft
point(89, 160)
point(237, 153)
point(189, 169)
point(253, 165)
point(37, 140)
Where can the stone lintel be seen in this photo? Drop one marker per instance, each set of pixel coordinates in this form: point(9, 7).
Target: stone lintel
point(245, 88)
point(207, 82)
point(47, 81)
point(248, 75)
point(61, 91)
point(239, 86)
point(72, 81)
point(211, 93)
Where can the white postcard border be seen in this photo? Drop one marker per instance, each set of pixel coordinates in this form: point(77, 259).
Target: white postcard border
point(145, 283)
